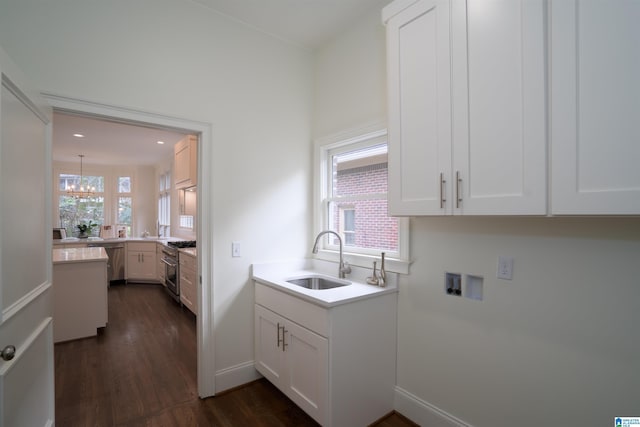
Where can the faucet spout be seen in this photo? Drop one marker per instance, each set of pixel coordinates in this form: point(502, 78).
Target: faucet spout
point(343, 267)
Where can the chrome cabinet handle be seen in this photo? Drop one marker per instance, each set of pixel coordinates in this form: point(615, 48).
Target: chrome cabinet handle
point(8, 352)
point(442, 198)
point(458, 181)
point(278, 335)
point(284, 344)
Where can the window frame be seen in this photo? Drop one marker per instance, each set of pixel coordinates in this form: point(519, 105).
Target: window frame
point(164, 203)
point(343, 142)
point(110, 194)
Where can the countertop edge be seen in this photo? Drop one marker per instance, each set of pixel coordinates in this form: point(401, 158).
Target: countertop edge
point(278, 283)
point(79, 255)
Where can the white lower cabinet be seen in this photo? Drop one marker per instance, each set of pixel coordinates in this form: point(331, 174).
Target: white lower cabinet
point(141, 261)
point(188, 289)
point(160, 266)
point(336, 363)
point(293, 358)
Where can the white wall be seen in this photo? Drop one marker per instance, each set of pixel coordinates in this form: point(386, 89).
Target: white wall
point(177, 58)
point(557, 345)
point(145, 202)
point(349, 89)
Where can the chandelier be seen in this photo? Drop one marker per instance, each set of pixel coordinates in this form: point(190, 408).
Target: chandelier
point(82, 192)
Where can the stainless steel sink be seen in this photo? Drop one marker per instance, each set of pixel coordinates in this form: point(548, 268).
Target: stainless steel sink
point(318, 282)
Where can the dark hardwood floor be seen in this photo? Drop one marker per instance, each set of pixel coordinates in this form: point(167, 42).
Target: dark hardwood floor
point(141, 371)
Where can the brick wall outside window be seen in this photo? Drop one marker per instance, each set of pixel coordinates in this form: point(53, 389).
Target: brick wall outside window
point(374, 228)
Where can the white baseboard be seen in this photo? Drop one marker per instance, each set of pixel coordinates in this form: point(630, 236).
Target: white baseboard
point(235, 376)
point(423, 413)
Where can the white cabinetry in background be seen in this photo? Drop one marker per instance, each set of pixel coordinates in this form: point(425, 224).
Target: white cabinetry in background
point(186, 162)
point(141, 261)
point(188, 282)
point(467, 129)
point(595, 134)
point(160, 266)
point(336, 363)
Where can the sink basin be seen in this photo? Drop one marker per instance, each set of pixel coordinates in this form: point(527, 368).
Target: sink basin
point(318, 282)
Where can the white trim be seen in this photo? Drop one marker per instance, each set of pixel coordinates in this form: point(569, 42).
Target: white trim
point(236, 375)
point(394, 8)
point(422, 412)
point(206, 326)
point(24, 301)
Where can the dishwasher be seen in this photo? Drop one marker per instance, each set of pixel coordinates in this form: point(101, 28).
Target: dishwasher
point(115, 265)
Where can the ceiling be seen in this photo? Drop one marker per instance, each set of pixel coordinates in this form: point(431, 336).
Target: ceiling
point(305, 23)
point(109, 143)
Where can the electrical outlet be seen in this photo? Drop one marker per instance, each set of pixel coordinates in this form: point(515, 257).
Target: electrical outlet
point(505, 268)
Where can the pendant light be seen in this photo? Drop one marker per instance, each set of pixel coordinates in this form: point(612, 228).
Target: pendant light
point(82, 192)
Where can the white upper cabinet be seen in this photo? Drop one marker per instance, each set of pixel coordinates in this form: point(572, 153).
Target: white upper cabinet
point(419, 73)
point(499, 111)
point(186, 162)
point(595, 107)
point(467, 113)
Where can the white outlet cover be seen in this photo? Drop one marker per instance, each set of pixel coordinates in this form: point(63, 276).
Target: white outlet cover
point(505, 268)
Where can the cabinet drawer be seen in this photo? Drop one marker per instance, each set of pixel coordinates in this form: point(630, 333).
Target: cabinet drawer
point(187, 262)
point(304, 313)
point(188, 295)
point(141, 246)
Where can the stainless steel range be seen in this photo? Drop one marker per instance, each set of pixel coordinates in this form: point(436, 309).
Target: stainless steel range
point(172, 266)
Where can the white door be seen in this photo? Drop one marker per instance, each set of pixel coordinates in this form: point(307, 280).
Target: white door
point(419, 91)
point(26, 380)
point(595, 136)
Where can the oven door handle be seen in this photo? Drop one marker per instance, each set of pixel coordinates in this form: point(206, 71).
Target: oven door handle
point(170, 264)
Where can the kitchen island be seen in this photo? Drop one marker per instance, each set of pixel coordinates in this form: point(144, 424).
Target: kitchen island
point(79, 292)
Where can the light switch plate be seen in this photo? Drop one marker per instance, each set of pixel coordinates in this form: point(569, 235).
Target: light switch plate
point(235, 249)
point(505, 267)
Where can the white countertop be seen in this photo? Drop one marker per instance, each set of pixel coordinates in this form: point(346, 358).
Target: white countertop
point(75, 255)
point(276, 275)
point(88, 240)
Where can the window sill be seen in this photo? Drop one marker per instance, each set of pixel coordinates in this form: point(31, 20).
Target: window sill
point(394, 265)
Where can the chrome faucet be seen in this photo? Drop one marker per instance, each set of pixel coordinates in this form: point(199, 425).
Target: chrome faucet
point(343, 268)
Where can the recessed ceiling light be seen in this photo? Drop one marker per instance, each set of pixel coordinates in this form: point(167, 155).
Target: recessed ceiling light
point(160, 142)
point(78, 135)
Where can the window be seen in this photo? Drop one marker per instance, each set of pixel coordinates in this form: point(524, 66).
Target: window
point(111, 204)
point(125, 202)
point(73, 211)
point(164, 204)
point(348, 225)
point(352, 175)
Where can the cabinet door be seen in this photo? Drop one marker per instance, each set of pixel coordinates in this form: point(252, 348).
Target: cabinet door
point(419, 92)
point(141, 265)
point(188, 290)
point(499, 113)
point(307, 364)
point(185, 159)
point(595, 135)
point(269, 354)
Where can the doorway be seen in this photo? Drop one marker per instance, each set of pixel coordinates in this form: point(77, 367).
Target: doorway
point(204, 234)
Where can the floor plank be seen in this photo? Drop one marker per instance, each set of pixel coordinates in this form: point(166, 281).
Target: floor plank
point(141, 371)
